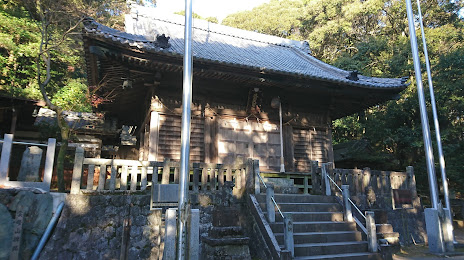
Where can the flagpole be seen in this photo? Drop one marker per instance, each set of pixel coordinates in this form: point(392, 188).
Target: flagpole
point(185, 134)
point(449, 225)
point(432, 219)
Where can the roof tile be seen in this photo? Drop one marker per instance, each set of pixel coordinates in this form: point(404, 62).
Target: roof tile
point(222, 44)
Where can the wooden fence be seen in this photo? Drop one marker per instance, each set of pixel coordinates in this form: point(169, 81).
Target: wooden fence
point(115, 175)
point(7, 144)
point(360, 180)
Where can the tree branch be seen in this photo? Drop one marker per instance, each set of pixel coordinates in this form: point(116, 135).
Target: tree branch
point(63, 37)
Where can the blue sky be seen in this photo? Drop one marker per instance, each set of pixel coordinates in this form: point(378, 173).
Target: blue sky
point(206, 8)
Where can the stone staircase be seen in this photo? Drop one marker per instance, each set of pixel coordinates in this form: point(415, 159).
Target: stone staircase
point(319, 231)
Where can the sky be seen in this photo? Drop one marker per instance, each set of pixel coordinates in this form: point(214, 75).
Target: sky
point(206, 8)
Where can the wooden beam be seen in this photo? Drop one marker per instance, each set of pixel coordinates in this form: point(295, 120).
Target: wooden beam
point(288, 147)
point(211, 149)
point(153, 136)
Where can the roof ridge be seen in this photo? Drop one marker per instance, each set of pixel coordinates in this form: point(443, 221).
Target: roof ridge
point(331, 68)
point(198, 24)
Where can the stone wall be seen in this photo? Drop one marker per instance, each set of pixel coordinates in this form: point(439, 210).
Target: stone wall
point(95, 226)
point(409, 221)
point(37, 211)
point(92, 227)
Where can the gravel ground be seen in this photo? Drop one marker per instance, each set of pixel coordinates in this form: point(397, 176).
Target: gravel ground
point(417, 252)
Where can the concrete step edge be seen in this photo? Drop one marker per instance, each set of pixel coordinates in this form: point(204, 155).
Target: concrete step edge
point(308, 203)
point(347, 256)
point(347, 243)
point(319, 233)
point(317, 222)
point(308, 213)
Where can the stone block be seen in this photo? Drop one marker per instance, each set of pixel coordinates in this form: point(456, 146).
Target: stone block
point(165, 193)
point(170, 238)
point(225, 217)
point(30, 164)
point(204, 200)
point(434, 232)
point(6, 232)
point(118, 200)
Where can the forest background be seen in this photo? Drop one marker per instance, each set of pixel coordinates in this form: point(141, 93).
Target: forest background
point(370, 36)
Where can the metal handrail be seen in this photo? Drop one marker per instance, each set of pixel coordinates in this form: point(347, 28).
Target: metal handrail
point(352, 203)
point(272, 198)
point(25, 143)
point(278, 208)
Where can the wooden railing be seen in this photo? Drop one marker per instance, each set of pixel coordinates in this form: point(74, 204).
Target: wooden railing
point(116, 175)
point(381, 182)
point(7, 144)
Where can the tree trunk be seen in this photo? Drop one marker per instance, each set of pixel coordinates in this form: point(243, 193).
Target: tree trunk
point(62, 153)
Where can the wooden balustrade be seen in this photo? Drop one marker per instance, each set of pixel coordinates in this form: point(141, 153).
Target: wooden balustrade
point(131, 175)
point(359, 180)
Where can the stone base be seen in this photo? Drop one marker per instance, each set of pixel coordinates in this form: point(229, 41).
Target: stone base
point(226, 252)
point(226, 243)
point(434, 231)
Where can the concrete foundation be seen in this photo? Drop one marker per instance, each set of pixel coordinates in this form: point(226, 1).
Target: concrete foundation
point(434, 231)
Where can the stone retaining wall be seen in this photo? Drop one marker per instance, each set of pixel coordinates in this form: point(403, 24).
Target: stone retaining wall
point(37, 211)
point(409, 221)
point(91, 227)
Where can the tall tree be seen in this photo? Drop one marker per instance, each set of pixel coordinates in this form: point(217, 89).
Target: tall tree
point(372, 36)
point(279, 18)
point(52, 16)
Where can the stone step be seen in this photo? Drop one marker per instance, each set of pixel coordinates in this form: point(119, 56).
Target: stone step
point(312, 249)
point(384, 228)
point(312, 216)
point(306, 207)
point(320, 226)
point(392, 238)
point(281, 185)
point(282, 198)
point(351, 256)
point(321, 237)
point(388, 235)
point(220, 232)
point(237, 241)
point(279, 181)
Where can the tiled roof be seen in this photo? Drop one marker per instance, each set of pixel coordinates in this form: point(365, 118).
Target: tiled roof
point(222, 44)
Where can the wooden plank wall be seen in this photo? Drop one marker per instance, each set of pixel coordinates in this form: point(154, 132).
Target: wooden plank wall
point(169, 138)
point(310, 144)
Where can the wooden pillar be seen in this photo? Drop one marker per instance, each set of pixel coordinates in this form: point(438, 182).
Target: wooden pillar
point(141, 143)
point(49, 159)
point(330, 152)
point(211, 141)
point(6, 154)
point(14, 118)
point(315, 180)
point(153, 136)
point(288, 148)
point(77, 171)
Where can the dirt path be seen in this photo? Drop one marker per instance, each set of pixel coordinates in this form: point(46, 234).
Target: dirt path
point(417, 252)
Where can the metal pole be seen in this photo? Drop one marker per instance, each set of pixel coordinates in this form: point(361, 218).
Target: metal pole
point(47, 232)
point(423, 109)
point(448, 226)
point(185, 135)
point(435, 114)
point(282, 166)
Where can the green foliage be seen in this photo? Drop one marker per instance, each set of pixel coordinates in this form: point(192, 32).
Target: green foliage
point(279, 18)
point(197, 16)
point(74, 96)
point(19, 42)
point(372, 36)
point(19, 48)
